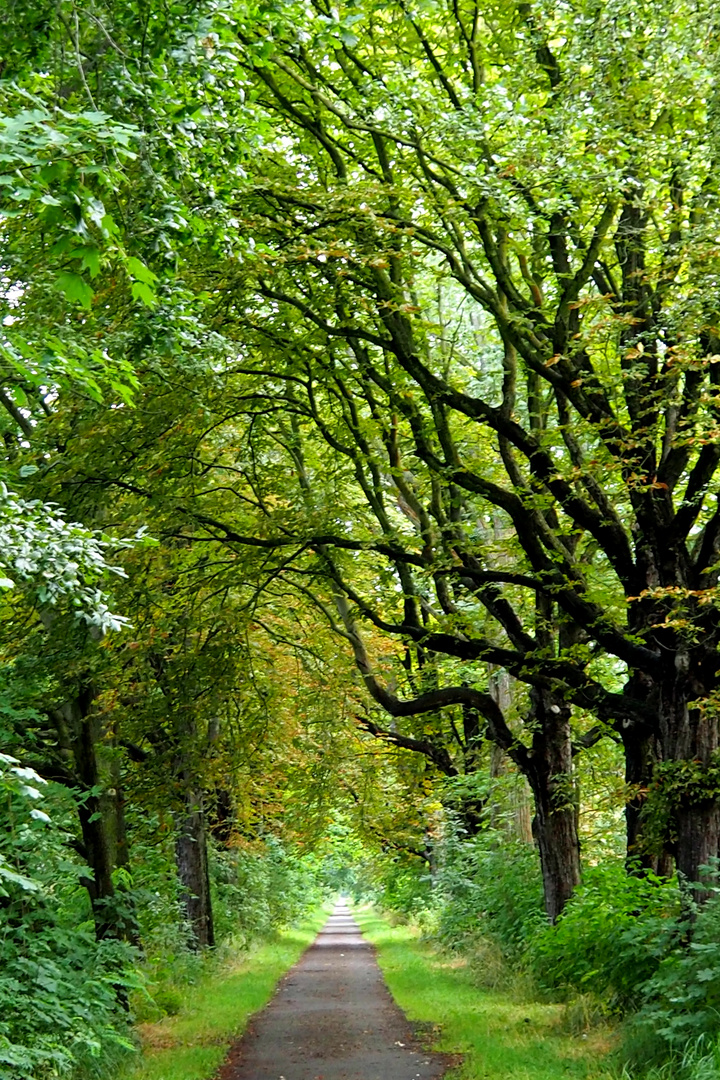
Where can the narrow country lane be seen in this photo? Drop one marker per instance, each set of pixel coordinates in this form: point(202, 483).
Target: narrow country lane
point(332, 1018)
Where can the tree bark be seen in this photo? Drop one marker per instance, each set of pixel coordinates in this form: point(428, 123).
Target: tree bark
point(193, 871)
point(191, 837)
point(556, 813)
point(522, 816)
point(640, 758)
point(689, 739)
point(698, 837)
point(669, 768)
point(77, 734)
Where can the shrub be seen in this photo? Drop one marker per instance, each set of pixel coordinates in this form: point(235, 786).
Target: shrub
point(488, 885)
point(405, 887)
point(611, 937)
point(681, 999)
point(59, 988)
point(258, 889)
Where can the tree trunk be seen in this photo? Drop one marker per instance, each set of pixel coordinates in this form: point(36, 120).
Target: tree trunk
point(689, 741)
point(698, 837)
point(220, 816)
point(522, 816)
point(640, 759)
point(77, 734)
point(556, 833)
point(556, 815)
point(471, 811)
point(192, 864)
point(191, 838)
point(671, 767)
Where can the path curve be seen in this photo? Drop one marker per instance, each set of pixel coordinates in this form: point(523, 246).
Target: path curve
point(332, 1018)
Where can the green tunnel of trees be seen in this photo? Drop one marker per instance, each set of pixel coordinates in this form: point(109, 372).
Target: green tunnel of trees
point(360, 418)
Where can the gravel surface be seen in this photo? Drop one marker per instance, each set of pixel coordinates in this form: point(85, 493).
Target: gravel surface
point(332, 1018)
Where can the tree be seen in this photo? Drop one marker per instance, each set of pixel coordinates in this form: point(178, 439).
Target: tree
point(70, 254)
point(571, 396)
point(497, 360)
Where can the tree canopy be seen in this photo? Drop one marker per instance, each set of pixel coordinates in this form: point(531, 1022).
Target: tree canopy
point(395, 327)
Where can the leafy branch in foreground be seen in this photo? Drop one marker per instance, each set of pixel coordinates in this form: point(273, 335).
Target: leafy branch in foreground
point(58, 562)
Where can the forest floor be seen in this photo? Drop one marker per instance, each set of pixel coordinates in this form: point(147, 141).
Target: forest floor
point(332, 1018)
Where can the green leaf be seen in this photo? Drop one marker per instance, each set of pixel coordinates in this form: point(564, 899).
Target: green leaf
point(140, 271)
point(90, 256)
point(96, 212)
point(94, 117)
point(75, 288)
point(19, 879)
point(143, 292)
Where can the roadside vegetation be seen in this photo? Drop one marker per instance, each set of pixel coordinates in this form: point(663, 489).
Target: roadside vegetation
point(475, 1006)
point(207, 1009)
point(623, 986)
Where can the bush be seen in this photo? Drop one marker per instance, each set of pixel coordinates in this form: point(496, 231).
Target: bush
point(681, 999)
point(611, 938)
point(59, 989)
point(405, 887)
point(488, 885)
point(259, 889)
point(59, 1002)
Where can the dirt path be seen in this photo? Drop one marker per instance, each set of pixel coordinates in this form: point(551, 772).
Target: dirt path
point(332, 1018)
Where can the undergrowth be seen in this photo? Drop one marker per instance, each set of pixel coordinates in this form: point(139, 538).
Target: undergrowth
point(630, 952)
point(500, 1032)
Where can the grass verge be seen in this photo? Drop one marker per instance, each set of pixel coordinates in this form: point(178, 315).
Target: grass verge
point(500, 1037)
point(215, 1010)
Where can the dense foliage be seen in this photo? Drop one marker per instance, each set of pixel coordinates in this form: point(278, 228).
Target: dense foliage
point(358, 495)
point(626, 948)
point(58, 989)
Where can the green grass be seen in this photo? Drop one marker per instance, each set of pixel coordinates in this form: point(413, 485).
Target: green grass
point(501, 1037)
point(215, 1010)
